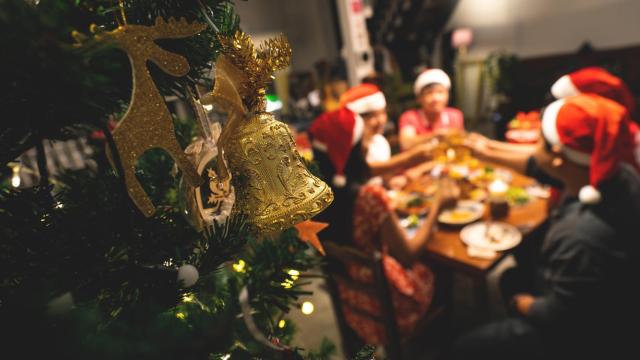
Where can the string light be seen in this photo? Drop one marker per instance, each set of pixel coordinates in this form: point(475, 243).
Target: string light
point(181, 315)
point(307, 308)
point(282, 324)
point(239, 266)
point(188, 298)
point(287, 284)
point(294, 274)
point(15, 178)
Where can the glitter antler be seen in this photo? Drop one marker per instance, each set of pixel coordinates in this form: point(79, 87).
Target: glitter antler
point(258, 65)
point(174, 29)
point(148, 123)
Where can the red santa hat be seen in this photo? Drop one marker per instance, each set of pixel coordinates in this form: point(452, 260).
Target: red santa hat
point(431, 76)
point(594, 80)
point(591, 131)
point(363, 98)
point(335, 133)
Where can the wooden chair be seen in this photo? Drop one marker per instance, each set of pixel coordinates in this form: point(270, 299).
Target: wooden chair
point(335, 267)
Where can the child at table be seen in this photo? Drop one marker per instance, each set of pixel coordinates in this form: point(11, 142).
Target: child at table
point(363, 215)
point(433, 116)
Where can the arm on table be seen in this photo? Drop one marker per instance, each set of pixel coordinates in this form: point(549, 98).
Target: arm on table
point(404, 159)
point(406, 249)
point(409, 138)
point(509, 155)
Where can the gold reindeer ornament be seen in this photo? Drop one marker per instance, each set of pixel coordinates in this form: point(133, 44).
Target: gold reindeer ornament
point(273, 186)
point(147, 123)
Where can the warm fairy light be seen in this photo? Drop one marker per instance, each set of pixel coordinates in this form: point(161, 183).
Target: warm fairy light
point(287, 284)
point(59, 205)
point(15, 178)
point(188, 298)
point(181, 315)
point(239, 266)
point(281, 324)
point(307, 308)
point(168, 262)
point(294, 274)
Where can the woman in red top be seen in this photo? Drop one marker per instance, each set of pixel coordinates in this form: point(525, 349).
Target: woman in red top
point(362, 214)
point(432, 92)
point(376, 226)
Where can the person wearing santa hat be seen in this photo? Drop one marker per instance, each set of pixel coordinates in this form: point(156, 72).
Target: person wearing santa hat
point(349, 150)
point(577, 301)
point(351, 139)
point(363, 215)
point(590, 80)
point(596, 80)
point(431, 89)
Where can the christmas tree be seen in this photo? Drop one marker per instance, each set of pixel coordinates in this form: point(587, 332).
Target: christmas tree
point(90, 269)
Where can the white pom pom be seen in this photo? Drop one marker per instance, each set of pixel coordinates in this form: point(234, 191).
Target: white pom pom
point(589, 195)
point(339, 180)
point(61, 304)
point(187, 275)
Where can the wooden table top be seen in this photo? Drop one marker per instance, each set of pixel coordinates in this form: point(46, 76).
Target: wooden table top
point(446, 247)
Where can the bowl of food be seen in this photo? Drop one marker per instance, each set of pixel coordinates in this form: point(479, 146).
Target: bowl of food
point(483, 176)
point(478, 194)
point(412, 204)
point(517, 196)
point(465, 212)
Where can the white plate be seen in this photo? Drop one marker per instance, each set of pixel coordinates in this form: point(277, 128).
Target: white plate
point(507, 236)
point(475, 208)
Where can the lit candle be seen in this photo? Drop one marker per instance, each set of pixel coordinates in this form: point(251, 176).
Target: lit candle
point(451, 154)
point(498, 189)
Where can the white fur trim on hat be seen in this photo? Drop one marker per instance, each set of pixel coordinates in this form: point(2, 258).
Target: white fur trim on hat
point(339, 180)
point(549, 120)
point(318, 145)
point(564, 87)
point(589, 195)
point(550, 132)
point(431, 76)
point(373, 102)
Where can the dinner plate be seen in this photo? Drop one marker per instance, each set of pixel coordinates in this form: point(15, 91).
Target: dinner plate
point(501, 236)
point(465, 212)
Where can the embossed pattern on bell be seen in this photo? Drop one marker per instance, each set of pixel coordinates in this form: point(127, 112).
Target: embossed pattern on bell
point(278, 190)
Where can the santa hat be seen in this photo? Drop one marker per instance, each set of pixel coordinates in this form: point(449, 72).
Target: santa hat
point(335, 133)
point(590, 131)
point(594, 80)
point(431, 76)
point(363, 98)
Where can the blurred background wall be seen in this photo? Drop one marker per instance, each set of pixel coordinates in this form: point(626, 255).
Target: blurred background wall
point(543, 27)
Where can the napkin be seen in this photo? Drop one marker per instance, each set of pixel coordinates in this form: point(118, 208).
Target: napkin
point(481, 253)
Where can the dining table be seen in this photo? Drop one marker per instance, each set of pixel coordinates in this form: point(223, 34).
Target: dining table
point(446, 250)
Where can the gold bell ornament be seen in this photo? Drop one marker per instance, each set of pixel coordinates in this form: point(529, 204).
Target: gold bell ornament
point(274, 189)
